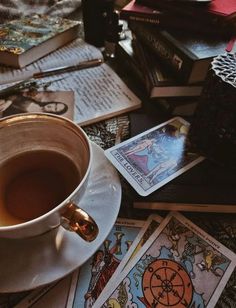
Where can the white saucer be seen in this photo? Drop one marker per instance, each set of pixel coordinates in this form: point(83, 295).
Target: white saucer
point(30, 263)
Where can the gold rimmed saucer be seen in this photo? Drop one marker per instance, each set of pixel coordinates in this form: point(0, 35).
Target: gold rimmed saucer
point(33, 262)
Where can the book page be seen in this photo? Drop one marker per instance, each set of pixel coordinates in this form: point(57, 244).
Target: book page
point(99, 92)
point(70, 54)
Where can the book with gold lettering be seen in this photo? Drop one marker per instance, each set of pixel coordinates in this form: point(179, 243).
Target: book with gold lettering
point(207, 15)
point(157, 78)
point(171, 19)
point(187, 55)
point(22, 41)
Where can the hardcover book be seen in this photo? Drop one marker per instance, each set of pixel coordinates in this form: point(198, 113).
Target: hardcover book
point(187, 55)
point(170, 20)
point(125, 57)
point(215, 8)
point(157, 79)
point(135, 11)
point(22, 41)
point(115, 96)
point(205, 188)
point(160, 81)
point(215, 14)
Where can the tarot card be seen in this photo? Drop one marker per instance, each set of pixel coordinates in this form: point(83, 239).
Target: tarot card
point(155, 157)
point(147, 230)
point(179, 266)
point(96, 272)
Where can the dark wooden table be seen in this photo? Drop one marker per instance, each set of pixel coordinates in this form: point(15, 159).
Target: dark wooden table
point(207, 178)
point(208, 181)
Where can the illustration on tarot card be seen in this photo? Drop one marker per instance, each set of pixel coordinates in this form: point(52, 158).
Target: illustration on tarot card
point(179, 266)
point(153, 158)
point(96, 272)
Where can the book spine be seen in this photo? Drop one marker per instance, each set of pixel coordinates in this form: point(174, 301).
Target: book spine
point(149, 17)
point(142, 62)
point(188, 207)
point(150, 20)
point(166, 51)
point(125, 59)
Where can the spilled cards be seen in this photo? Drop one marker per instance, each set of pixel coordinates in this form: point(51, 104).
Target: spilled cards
point(179, 266)
point(155, 157)
point(146, 231)
point(90, 280)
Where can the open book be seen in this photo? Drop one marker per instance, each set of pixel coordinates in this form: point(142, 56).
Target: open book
point(99, 92)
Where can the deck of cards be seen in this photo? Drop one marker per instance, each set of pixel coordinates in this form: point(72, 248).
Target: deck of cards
point(167, 262)
point(160, 262)
point(154, 157)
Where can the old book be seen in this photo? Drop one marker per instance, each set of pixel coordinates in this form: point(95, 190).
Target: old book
point(175, 105)
point(204, 188)
point(99, 92)
point(169, 20)
point(187, 55)
point(185, 207)
point(158, 80)
point(216, 14)
point(135, 11)
point(216, 8)
point(125, 57)
point(25, 40)
point(189, 197)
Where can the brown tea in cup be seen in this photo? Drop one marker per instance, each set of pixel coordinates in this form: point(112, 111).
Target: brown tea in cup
point(45, 162)
point(33, 183)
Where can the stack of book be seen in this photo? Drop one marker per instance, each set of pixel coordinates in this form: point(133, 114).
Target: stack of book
point(171, 47)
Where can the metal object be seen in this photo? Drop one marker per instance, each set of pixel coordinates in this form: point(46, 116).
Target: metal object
point(77, 220)
point(40, 131)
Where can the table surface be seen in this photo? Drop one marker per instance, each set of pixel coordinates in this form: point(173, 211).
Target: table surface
point(221, 226)
point(208, 177)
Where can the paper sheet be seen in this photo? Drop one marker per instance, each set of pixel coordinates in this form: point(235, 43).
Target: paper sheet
point(99, 91)
point(70, 54)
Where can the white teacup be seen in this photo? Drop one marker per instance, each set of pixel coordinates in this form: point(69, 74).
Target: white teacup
point(45, 162)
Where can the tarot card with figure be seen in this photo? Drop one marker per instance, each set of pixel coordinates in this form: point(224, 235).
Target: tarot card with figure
point(146, 231)
point(179, 266)
point(96, 272)
point(155, 157)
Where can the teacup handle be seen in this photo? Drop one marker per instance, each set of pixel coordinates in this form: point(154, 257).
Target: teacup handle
point(77, 220)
